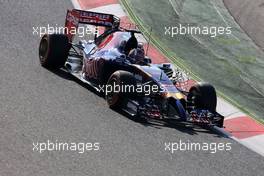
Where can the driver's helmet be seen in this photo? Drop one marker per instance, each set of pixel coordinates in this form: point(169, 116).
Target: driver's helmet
point(137, 55)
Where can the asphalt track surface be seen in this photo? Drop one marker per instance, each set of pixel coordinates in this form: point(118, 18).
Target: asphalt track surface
point(37, 105)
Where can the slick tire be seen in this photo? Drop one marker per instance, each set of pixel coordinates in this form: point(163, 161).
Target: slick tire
point(53, 50)
point(202, 96)
point(120, 78)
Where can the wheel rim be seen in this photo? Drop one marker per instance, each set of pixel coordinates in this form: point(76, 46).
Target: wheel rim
point(112, 97)
point(43, 49)
point(191, 100)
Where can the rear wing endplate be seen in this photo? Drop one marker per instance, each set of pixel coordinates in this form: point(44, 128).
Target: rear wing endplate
point(75, 17)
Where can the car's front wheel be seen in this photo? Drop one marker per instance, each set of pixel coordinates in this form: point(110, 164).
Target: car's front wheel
point(202, 96)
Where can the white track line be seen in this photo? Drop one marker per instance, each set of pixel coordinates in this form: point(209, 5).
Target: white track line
point(76, 4)
point(255, 143)
point(114, 9)
point(228, 110)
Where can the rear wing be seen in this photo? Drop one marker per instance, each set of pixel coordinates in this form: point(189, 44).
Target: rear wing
point(75, 17)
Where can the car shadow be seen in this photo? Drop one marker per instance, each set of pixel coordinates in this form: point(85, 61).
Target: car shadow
point(183, 127)
point(66, 75)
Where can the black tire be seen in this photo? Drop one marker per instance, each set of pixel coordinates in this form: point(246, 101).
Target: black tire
point(120, 77)
point(53, 50)
point(202, 96)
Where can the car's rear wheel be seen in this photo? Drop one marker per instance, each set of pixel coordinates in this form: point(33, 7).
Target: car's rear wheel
point(119, 78)
point(202, 96)
point(53, 50)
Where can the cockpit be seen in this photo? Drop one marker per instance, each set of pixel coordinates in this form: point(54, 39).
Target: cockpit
point(130, 44)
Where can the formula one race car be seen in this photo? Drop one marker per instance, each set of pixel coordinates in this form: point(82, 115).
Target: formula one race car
point(116, 64)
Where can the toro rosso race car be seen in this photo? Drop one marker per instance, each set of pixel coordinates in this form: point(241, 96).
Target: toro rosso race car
point(116, 64)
